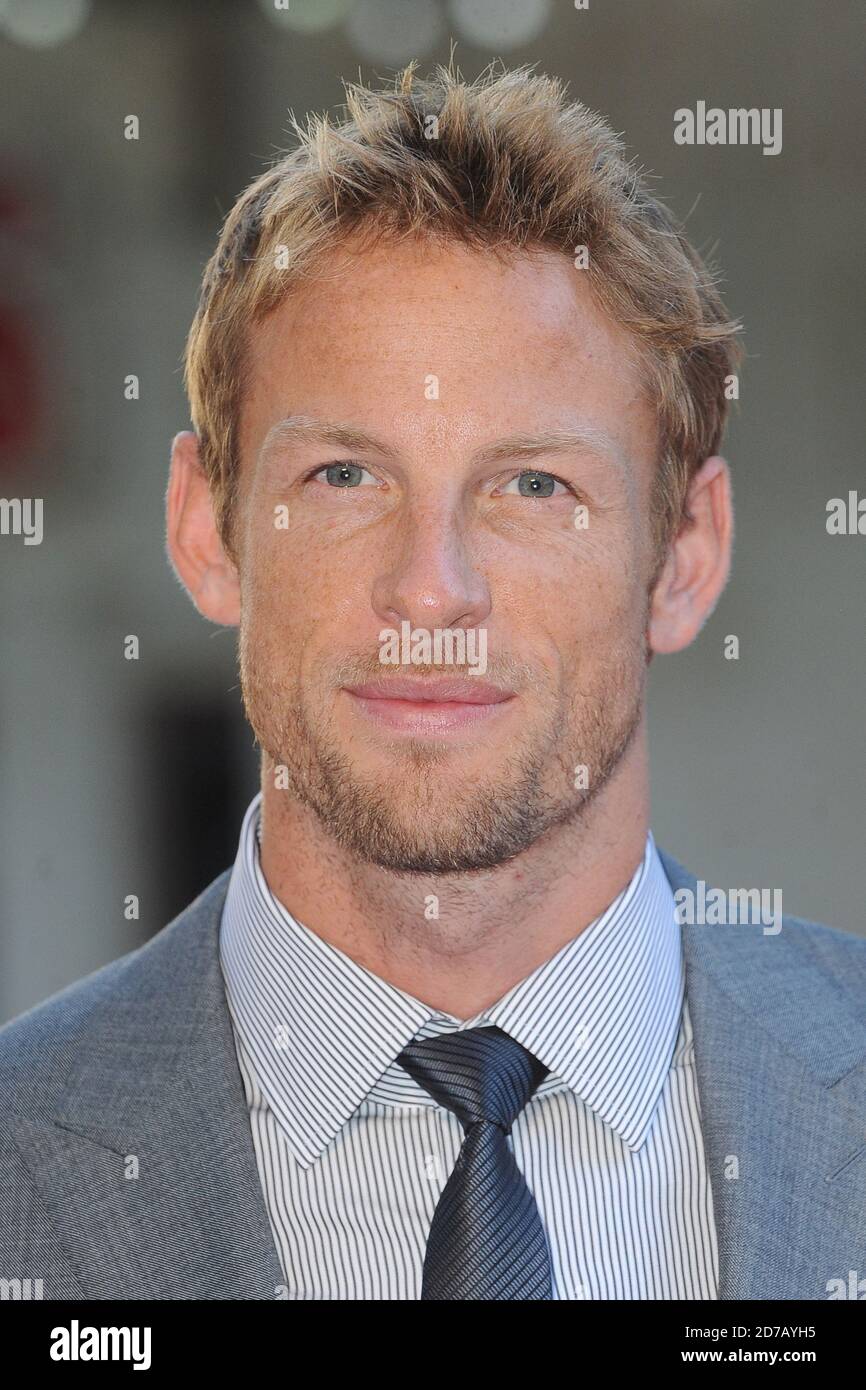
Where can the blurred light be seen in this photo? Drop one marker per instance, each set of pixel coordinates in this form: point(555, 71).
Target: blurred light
point(307, 16)
point(43, 23)
point(392, 31)
point(500, 24)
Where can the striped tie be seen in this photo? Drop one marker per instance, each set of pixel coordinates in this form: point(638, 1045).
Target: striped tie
point(486, 1241)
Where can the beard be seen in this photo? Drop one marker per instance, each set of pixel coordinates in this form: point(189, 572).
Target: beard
point(423, 816)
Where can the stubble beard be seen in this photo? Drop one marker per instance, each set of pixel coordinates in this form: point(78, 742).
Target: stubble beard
point(425, 818)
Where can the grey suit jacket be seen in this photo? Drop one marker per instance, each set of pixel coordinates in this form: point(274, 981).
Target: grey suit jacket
point(127, 1167)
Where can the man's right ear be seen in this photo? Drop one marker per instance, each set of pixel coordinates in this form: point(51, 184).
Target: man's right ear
point(192, 539)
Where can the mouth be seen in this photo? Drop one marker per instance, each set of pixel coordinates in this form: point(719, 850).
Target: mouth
point(429, 705)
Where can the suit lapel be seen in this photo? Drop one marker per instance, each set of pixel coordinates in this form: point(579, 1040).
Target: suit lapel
point(148, 1170)
point(782, 1085)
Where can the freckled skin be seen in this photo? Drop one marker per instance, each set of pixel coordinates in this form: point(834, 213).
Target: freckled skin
point(520, 348)
point(489, 821)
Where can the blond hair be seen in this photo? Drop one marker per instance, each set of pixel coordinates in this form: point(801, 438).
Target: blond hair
point(504, 164)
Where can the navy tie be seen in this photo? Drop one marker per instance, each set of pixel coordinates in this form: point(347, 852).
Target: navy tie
point(486, 1240)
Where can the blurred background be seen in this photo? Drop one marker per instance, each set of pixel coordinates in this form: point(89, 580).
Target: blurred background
point(122, 777)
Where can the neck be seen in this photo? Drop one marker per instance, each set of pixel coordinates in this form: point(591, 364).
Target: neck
point(493, 927)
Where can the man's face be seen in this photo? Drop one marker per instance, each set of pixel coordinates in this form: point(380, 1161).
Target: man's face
point(439, 354)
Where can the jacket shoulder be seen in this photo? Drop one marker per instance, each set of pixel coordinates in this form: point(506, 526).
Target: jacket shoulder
point(808, 957)
point(837, 955)
point(39, 1047)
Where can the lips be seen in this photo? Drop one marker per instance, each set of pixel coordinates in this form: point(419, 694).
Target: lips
point(432, 690)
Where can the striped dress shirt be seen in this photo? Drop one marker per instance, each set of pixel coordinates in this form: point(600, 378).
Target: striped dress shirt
point(353, 1154)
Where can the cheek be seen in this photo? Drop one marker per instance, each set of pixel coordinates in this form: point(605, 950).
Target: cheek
point(273, 604)
point(602, 585)
point(297, 602)
point(599, 616)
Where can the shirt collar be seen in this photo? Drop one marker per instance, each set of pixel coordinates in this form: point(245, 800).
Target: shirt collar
point(602, 1014)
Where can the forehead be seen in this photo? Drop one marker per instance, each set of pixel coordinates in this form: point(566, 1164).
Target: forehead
point(449, 340)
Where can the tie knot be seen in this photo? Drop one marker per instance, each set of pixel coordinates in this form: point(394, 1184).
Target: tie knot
point(479, 1073)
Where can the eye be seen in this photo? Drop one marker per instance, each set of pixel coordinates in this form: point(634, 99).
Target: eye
point(533, 483)
point(342, 474)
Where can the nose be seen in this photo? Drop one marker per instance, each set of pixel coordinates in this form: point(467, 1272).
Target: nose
point(432, 581)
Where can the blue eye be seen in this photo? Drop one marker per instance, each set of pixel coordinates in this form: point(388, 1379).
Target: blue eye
point(343, 474)
point(533, 483)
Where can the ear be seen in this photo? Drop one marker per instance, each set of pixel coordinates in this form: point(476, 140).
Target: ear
point(698, 562)
point(192, 539)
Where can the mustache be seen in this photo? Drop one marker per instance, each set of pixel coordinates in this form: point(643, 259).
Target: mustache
point(504, 670)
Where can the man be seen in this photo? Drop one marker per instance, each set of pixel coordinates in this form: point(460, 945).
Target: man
point(451, 1028)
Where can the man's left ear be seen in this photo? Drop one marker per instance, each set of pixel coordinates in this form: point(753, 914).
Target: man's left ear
point(698, 561)
point(192, 538)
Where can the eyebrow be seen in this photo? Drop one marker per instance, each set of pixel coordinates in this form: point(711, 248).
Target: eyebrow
point(296, 429)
